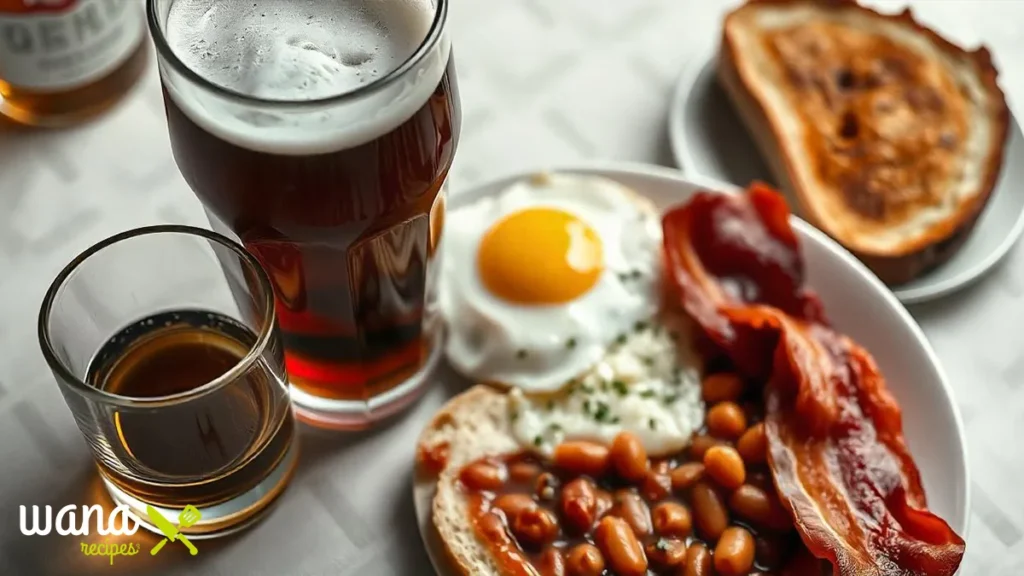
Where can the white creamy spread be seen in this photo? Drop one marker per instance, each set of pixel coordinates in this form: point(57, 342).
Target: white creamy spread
point(648, 384)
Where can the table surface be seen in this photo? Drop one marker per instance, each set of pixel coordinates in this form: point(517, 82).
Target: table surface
point(543, 83)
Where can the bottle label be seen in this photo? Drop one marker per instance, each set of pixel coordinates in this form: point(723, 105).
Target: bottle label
point(52, 45)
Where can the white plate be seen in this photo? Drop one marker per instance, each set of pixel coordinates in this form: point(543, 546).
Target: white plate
point(708, 139)
point(859, 305)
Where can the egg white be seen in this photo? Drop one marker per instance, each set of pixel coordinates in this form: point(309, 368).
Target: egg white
point(649, 385)
point(541, 348)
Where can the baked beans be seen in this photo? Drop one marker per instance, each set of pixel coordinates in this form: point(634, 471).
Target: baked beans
point(686, 475)
point(579, 504)
point(753, 445)
point(726, 420)
point(514, 504)
point(657, 485)
point(582, 458)
point(709, 512)
point(534, 527)
point(614, 511)
point(750, 503)
point(628, 457)
point(721, 387)
point(698, 560)
point(605, 502)
point(700, 444)
point(634, 510)
point(734, 553)
point(672, 519)
point(666, 554)
point(486, 474)
point(552, 563)
point(621, 547)
point(724, 465)
point(585, 560)
point(523, 472)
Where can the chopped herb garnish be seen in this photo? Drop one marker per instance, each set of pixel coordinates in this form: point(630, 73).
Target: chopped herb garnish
point(621, 339)
point(648, 394)
point(555, 427)
point(586, 406)
point(671, 398)
point(614, 420)
point(521, 354)
point(648, 361)
point(640, 326)
point(604, 385)
point(636, 274)
point(620, 387)
point(571, 343)
point(603, 412)
point(652, 424)
point(551, 405)
point(515, 415)
point(587, 388)
point(623, 276)
point(538, 440)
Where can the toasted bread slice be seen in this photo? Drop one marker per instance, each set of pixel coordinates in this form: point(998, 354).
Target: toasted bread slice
point(889, 138)
point(472, 425)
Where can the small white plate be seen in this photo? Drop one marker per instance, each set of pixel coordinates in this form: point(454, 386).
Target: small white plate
point(859, 305)
point(708, 139)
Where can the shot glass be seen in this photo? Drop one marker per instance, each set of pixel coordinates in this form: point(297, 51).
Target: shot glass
point(164, 343)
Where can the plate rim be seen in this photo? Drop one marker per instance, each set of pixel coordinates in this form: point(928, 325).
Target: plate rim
point(705, 58)
point(610, 169)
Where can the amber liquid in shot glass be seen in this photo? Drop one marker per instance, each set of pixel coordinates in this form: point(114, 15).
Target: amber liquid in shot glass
point(230, 441)
point(164, 342)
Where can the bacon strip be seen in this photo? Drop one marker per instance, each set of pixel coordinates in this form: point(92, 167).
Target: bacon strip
point(835, 434)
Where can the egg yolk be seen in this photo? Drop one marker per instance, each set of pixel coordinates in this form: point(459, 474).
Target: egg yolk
point(540, 256)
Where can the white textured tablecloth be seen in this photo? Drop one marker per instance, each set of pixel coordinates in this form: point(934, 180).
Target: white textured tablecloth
point(543, 82)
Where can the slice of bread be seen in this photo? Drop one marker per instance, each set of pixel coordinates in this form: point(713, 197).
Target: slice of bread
point(888, 137)
point(472, 425)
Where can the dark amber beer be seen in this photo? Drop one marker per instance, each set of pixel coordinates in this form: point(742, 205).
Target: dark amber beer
point(321, 134)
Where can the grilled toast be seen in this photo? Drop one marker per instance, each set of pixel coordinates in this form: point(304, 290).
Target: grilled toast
point(888, 137)
point(472, 425)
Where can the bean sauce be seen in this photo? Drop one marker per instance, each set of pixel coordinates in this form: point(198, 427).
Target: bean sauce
point(613, 511)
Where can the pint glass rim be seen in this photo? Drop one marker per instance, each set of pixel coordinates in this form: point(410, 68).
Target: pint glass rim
point(66, 378)
point(167, 55)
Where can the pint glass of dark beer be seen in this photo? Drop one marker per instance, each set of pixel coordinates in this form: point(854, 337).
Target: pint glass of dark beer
point(320, 133)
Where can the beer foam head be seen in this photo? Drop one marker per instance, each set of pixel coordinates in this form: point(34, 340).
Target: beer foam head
point(296, 49)
point(299, 50)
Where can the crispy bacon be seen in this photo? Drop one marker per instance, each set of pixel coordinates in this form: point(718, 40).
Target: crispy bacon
point(835, 434)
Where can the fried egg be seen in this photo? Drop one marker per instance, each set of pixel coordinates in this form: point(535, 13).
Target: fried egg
point(648, 385)
point(541, 280)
